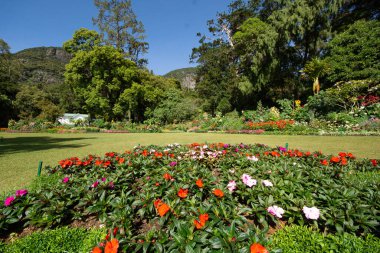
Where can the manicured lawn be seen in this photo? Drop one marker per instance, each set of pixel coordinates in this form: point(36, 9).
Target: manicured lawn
point(20, 153)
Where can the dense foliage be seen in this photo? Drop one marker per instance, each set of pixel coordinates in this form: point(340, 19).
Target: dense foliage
point(210, 197)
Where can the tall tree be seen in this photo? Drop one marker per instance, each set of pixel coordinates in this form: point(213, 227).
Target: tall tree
point(120, 28)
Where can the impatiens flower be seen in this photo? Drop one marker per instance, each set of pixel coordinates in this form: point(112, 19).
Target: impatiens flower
point(311, 213)
point(247, 180)
point(8, 201)
point(267, 183)
point(282, 149)
point(324, 162)
point(374, 162)
point(65, 180)
point(199, 183)
point(202, 221)
point(111, 185)
point(161, 207)
point(167, 176)
point(96, 250)
point(252, 158)
point(276, 211)
point(172, 164)
point(103, 179)
point(182, 193)
point(258, 248)
point(112, 246)
point(94, 185)
point(219, 193)
point(20, 193)
point(231, 186)
point(335, 159)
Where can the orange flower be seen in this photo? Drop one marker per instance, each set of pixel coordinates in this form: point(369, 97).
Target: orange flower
point(335, 159)
point(258, 248)
point(121, 160)
point(199, 183)
point(145, 152)
point(343, 161)
point(182, 193)
point(218, 193)
point(202, 221)
point(167, 176)
point(96, 250)
point(112, 246)
point(203, 217)
point(324, 162)
point(161, 207)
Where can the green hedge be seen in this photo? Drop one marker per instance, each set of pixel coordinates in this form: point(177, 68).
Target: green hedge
point(295, 239)
point(61, 240)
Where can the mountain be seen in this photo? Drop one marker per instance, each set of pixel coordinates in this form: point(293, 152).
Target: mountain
point(42, 65)
point(186, 76)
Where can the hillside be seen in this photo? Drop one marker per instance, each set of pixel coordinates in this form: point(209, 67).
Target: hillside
point(186, 76)
point(44, 65)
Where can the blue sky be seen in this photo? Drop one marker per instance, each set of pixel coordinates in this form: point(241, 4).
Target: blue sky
point(171, 25)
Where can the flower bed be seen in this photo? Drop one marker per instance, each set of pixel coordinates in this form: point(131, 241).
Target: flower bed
point(201, 197)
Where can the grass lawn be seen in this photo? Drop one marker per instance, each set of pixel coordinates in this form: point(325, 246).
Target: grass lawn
point(20, 153)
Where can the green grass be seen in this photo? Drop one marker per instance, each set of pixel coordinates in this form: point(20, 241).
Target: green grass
point(20, 153)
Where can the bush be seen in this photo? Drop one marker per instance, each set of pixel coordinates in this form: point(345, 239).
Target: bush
point(295, 239)
point(59, 240)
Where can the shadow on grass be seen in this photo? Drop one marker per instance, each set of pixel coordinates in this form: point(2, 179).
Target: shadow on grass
point(30, 144)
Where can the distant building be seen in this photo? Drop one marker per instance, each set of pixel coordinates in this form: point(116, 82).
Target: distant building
point(71, 118)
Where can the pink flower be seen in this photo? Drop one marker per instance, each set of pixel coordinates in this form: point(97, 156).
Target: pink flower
point(311, 213)
point(247, 180)
point(20, 193)
point(103, 179)
point(231, 186)
point(276, 211)
point(95, 184)
point(172, 164)
point(8, 201)
point(65, 180)
point(267, 183)
point(111, 185)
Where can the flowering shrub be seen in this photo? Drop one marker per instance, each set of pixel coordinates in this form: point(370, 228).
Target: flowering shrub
point(202, 196)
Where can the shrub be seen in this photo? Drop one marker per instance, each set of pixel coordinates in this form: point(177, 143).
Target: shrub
point(58, 240)
point(294, 239)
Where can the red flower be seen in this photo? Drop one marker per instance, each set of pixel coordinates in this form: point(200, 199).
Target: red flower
point(324, 162)
point(182, 193)
point(199, 183)
point(218, 193)
point(342, 154)
point(343, 161)
point(167, 176)
point(374, 162)
point(112, 246)
point(106, 164)
point(258, 248)
point(145, 152)
point(98, 162)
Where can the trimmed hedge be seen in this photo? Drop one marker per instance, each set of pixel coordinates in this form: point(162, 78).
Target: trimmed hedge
point(60, 240)
point(294, 239)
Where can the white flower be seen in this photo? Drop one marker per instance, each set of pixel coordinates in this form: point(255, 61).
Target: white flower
point(267, 183)
point(231, 186)
point(276, 211)
point(311, 213)
point(247, 180)
point(252, 158)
